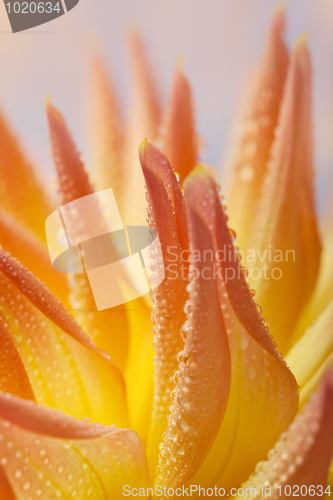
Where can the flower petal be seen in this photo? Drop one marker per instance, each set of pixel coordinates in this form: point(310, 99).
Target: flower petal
point(203, 379)
point(46, 454)
point(21, 192)
point(313, 353)
point(285, 241)
point(258, 132)
point(170, 296)
point(140, 367)
point(303, 454)
point(107, 134)
point(64, 374)
point(103, 327)
point(24, 244)
point(144, 119)
point(39, 295)
point(14, 379)
point(178, 137)
point(323, 292)
point(264, 395)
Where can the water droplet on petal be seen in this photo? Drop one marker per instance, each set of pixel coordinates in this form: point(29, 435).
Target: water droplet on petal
point(232, 235)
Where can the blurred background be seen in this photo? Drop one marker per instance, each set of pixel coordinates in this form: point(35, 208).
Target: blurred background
point(221, 40)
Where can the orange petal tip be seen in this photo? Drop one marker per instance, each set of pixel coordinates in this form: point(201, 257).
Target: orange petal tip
point(302, 40)
point(281, 7)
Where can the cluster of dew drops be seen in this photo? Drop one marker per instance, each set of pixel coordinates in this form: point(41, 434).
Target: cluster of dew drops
point(238, 256)
point(244, 270)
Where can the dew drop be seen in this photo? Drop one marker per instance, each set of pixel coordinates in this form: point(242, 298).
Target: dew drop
point(265, 323)
point(244, 272)
point(188, 359)
point(232, 235)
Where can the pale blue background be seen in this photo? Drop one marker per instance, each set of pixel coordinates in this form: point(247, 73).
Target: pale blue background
point(221, 41)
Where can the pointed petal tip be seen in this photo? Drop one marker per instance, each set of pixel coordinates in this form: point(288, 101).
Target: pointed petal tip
point(279, 16)
point(146, 150)
point(150, 156)
point(133, 33)
point(142, 146)
point(180, 63)
point(300, 53)
point(281, 7)
point(200, 172)
point(278, 21)
point(47, 100)
point(301, 40)
point(53, 114)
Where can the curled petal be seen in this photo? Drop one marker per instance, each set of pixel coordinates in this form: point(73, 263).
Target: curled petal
point(311, 356)
point(285, 240)
point(303, 454)
point(63, 373)
point(178, 137)
point(14, 379)
point(46, 454)
point(21, 191)
point(258, 132)
point(236, 286)
point(153, 160)
point(42, 420)
point(170, 296)
point(264, 394)
point(203, 380)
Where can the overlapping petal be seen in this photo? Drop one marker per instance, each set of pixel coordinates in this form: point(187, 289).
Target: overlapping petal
point(70, 374)
point(46, 454)
point(178, 137)
point(323, 292)
point(299, 463)
point(312, 355)
point(125, 332)
point(167, 216)
point(109, 329)
point(203, 380)
point(264, 394)
point(285, 244)
point(258, 128)
point(230, 391)
point(14, 378)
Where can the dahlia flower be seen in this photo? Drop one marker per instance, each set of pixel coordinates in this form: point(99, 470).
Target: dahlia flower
point(205, 393)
